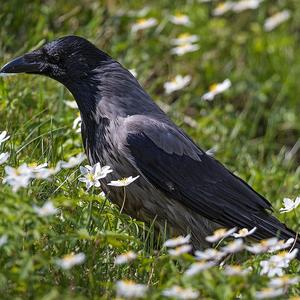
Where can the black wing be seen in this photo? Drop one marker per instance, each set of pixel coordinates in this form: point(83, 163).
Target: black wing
point(175, 165)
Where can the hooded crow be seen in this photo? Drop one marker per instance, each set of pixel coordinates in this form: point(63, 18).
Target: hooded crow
point(178, 184)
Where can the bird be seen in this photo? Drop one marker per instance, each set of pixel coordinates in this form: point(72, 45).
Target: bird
point(179, 185)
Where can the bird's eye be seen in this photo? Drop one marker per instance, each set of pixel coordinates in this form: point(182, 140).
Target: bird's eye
point(55, 58)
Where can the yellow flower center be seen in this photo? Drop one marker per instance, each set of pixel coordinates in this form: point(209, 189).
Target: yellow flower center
point(68, 257)
point(221, 5)
point(213, 87)
point(184, 35)
point(129, 282)
point(220, 232)
point(141, 21)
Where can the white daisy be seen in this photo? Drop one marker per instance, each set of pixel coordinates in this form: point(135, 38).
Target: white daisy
point(180, 293)
point(18, 177)
point(245, 5)
point(275, 20)
point(234, 246)
point(3, 240)
point(271, 268)
point(92, 174)
point(123, 181)
point(178, 83)
point(236, 270)
point(178, 241)
point(289, 205)
point(216, 89)
point(281, 245)
point(42, 172)
point(268, 293)
point(283, 281)
point(198, 267)
point(244, 232)
point(125, 258)
point(73, 161)
point(184, 48)
point(142, 24)
point(180, 19)
point(223, 8)
point(220, 234)
point(3, 137)
point(71, 260)
point(284, 257)
point(129, 289)
point(185, 38)
point(209, 254)
point(3, 157)
point(180, 250)
point(263, 246)
point(48, 209)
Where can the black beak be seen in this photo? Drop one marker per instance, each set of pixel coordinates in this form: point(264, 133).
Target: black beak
point(21, 65)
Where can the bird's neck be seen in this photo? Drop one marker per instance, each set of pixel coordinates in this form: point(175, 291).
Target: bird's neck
point(111, 92)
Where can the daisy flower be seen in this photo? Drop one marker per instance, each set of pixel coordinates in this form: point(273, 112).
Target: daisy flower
point(223, 8)
point(178, 241)
point(180, 293)
point(268, 293)
point(283, 281)
point(198, 267)
point(209, 254)
point(3, 137)
point(18, 177)
point(263, 246)
point(71, 260)
point(129, 289)
point(178, 83)
point(125, 258)
point(180, 250)
point(142, 24)
point(244, 232)
point(281, 245)
point(289, 205)
point(3, 157)
point(180, 19)
point(284, 257)
point(271, 268)
point(236, 270)
point(92, 174)
point(184, 48)
point(245, 5)
point(48, 209)
point(73, 161)
point(215, 89)
point(275, 20)
point(123, 181)
point(234, 246)
point(3, 240)
point(220, 234)
point(185, 38)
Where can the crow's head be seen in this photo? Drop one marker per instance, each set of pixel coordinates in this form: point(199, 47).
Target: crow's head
point(67, 59)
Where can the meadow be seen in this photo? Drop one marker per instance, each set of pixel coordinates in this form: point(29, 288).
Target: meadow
point(228, 74)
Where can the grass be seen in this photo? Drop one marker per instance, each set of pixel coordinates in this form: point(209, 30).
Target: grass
point(254, 125)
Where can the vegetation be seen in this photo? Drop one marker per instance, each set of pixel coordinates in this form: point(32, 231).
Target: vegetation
point(253, 125)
